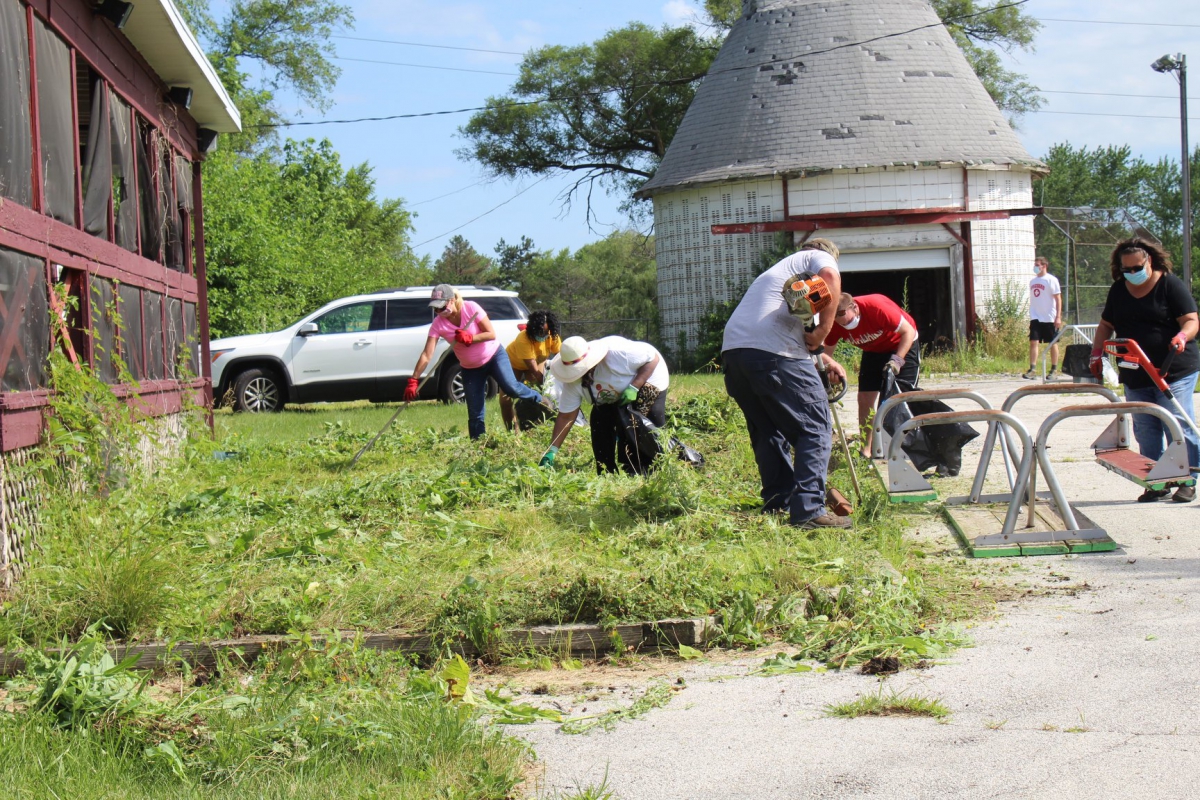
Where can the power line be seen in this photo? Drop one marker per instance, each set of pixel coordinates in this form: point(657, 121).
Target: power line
point(1114, 94)
point(436, 46)
point(1101, 114)
point(440, 196)
point(1120, 22)
point(484, 214)
point(423, 66)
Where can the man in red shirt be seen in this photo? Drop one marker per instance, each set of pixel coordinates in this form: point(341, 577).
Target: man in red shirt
point(887, 335)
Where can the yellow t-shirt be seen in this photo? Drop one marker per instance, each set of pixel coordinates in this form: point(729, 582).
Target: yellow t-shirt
point(523, 347)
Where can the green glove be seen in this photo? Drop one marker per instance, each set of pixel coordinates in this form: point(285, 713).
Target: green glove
point(629, 395)
point(548, 459)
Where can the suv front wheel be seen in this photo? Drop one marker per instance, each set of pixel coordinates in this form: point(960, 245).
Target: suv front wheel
point(256, 390)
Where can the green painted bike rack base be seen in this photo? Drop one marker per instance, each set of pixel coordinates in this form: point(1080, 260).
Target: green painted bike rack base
point(879, 466)
point(974, 521)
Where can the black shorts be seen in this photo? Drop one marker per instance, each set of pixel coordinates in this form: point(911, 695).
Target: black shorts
point(870, 369)
point(1041, 331)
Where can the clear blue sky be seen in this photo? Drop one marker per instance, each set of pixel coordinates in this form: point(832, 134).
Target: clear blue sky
point(414, 159)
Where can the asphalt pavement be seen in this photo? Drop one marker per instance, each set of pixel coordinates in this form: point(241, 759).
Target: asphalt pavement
point(1087, 687)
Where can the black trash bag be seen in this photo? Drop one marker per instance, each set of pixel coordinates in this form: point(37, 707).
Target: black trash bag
point(530, 413)
point(938, 446)
point(639, 442)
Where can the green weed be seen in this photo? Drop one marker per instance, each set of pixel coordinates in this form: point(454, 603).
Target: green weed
point(892, 704)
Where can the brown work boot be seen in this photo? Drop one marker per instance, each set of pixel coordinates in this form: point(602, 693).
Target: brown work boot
point(826, 520)
point(1185, 494)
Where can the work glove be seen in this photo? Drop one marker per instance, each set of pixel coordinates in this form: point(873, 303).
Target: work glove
point(1096, 364)
point(629, 396)
point(410, 391)
point(1179, 341)
point(894, 363)
point(463, 337)
point(548, 458)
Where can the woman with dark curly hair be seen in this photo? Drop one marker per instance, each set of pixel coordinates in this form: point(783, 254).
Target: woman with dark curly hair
point(528, 353)
point(1151, 306)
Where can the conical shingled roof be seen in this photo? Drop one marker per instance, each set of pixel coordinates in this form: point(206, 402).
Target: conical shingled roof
point(801, 86)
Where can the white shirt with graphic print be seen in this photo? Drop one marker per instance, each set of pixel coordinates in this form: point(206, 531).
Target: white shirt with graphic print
point(610, 377)
point(1042, 292)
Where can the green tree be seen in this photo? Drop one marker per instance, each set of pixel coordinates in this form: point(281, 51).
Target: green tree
point(978, 29)
point(603, 112)
point(513, 262)
point(460, 263)
point(289, 232)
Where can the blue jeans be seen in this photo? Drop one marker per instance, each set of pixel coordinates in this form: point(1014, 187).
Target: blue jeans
point(475, 388)
point(1151, 433)
point(786, 406)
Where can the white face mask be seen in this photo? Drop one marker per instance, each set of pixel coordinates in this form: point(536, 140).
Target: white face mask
point(852, 323)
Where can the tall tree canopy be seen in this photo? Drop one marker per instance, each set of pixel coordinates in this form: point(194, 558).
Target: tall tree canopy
point(461, 263)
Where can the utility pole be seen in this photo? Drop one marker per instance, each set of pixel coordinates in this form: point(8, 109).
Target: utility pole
point(1177, 64)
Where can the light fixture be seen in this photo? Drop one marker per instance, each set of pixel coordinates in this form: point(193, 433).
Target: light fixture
point(180, 96)
point(115, 11)
point(1167, 63)
point(206, 140)
point(1177, 64)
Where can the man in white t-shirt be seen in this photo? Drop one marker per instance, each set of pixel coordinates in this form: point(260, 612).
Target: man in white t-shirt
point(1045, 315)
point(767, 357)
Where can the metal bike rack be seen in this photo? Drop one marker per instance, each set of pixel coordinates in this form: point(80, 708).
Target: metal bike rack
point(1121, 431)
point(904, 483)
point(993, 417)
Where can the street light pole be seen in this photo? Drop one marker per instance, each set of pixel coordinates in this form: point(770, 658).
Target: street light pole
point(1178, 64)
point(1186, 163)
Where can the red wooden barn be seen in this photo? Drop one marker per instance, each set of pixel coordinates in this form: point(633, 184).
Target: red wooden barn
point(106, 111)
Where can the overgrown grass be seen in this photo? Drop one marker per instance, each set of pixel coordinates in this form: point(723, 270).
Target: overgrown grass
point(892, 704)
point(433, 532)
point(1001, 343)
point(337, 722)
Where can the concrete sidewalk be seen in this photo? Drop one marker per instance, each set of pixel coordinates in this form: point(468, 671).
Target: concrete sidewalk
point(1087, 689)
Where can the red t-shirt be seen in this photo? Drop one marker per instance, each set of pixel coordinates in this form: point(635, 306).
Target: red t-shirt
point(878, 328)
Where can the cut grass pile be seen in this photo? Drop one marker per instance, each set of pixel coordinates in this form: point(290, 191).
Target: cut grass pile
point(892, 704)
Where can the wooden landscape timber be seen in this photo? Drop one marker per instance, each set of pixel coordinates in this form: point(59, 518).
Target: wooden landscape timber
point(578, 640)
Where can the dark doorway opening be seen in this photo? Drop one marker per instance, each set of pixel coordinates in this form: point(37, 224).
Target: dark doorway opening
point(924, 293)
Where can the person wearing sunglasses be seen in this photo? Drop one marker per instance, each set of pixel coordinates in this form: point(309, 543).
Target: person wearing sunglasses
point(465, 325)
point(1151, 306)
point(611, 371)
point(528, 354)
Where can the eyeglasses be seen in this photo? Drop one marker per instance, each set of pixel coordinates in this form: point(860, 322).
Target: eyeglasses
point(1138, 268)
point(576, 360)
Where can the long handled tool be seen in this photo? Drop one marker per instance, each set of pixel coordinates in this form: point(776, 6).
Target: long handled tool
point(387, 425)
point(1127, 351)
point(833, 398)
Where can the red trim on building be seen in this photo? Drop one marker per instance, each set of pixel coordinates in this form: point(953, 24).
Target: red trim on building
point(872, 219)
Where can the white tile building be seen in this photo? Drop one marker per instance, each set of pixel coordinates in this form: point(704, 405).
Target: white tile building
point(838, 110)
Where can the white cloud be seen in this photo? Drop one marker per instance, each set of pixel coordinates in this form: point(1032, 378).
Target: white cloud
point(683, 12)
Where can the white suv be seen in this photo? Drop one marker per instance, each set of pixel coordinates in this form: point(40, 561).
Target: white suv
point(356, 348)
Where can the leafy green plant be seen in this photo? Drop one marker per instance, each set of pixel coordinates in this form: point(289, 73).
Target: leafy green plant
point(657, 695)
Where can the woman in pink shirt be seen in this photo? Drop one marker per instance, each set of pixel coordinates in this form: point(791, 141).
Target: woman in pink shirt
point(466, 326)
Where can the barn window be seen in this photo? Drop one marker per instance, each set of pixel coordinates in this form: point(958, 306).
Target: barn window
point(133, 347)
point(176, 348)
point(152, 327)
point(56, 124)
point(24, 322)
point(150, 200)
point(16, 139)
point(184, 209)
point(192, 340)
point(95, 143)
point(124, 195)
point(104, 322)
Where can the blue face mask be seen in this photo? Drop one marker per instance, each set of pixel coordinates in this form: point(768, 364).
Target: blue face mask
point(1138, 278)
point(538, 337)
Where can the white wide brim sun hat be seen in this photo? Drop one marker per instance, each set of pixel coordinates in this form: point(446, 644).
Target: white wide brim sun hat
point(575, 358)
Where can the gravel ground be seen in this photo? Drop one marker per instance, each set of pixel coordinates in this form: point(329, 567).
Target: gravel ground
point(1087, 688)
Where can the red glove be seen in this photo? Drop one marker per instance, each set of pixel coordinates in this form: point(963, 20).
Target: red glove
point(410, 391)
point(1096, 364)
point(463, 337)
point(1179, 341)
